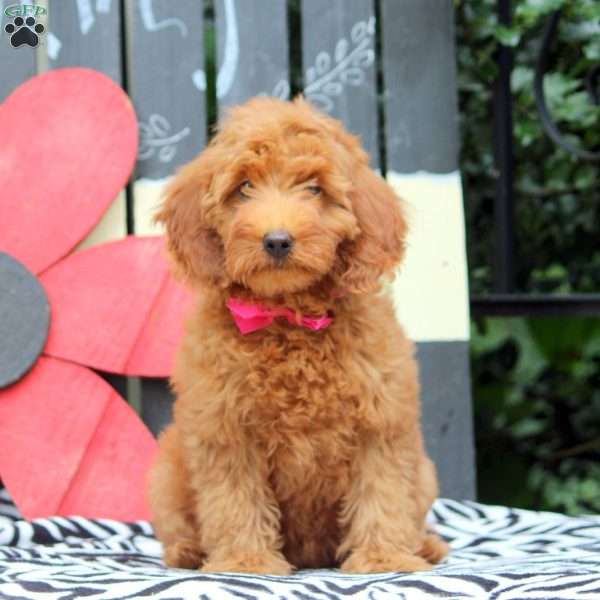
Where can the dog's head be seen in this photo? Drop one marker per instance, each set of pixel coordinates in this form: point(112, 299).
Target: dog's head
point(281, 199)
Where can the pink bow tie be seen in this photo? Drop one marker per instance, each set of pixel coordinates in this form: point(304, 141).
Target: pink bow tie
point(252, 317)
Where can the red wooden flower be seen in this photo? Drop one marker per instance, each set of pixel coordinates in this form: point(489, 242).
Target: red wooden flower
point(69, 444)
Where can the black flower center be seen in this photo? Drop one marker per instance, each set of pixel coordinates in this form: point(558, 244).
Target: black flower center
point(24, 319)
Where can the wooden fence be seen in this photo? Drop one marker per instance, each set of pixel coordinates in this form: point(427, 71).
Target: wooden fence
point(385, 67)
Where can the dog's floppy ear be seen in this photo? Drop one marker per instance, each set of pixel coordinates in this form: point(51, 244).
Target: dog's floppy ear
point(379, 247)
point(195, 246)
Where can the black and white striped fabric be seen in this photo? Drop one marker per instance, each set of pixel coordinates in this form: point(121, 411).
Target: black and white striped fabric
point(497, 553)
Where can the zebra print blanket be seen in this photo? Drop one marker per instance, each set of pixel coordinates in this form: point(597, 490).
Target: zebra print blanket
point(497, 553)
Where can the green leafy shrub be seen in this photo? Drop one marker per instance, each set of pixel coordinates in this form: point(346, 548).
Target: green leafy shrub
point(537, 399)
point(536, 382)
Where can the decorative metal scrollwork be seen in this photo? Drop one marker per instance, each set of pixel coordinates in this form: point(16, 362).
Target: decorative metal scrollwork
point(591, 82)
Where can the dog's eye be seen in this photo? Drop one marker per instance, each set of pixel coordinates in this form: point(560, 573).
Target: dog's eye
point(315, 190)
point(245, 188)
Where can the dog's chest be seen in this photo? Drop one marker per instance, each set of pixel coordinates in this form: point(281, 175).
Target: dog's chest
point(305, 416)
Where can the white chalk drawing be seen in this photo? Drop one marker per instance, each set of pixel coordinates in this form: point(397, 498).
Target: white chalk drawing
point(54, 46)
point(151, 24)
point(345, 65)
point(86, 15)
point(103, 6)
point(156, 137)
point(327, 78)
point(199, 79)
point(282, 90)
point(226, 72)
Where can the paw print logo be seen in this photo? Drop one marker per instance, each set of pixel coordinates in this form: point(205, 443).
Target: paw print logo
point(24, 31)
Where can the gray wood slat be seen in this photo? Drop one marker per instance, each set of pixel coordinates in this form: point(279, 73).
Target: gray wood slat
point(157, 404)
point(166, 82)
point(252, 50)
point(420, 84)
point(16, 64)
point(421, 134)
point(87, 34)
point(338, 50)
point(447, 417)
point(117, 382)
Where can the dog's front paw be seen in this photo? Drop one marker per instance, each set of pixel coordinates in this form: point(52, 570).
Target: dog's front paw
point(377, 560)
point(434, 548)
point(270, 564)
point(183, 555)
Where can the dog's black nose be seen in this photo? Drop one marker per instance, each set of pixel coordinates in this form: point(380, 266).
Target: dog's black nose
point(278, 243)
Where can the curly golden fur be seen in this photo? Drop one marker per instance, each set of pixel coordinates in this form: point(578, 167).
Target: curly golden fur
point(290, 447)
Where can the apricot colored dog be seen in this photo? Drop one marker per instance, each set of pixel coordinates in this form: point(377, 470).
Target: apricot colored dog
point(296, 439)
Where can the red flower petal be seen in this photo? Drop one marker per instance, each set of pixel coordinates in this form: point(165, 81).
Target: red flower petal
point(116, 308)
point(69, 444)
point(154, 351)
point(69, 140)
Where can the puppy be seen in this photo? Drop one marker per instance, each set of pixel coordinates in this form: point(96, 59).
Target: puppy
point(296, 439)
